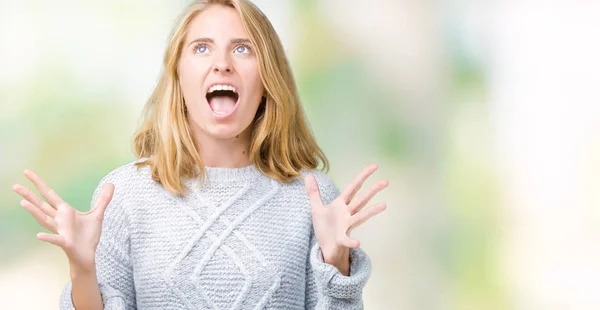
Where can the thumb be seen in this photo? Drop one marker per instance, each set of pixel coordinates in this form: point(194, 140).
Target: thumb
point(312, 188)
point(103, 200)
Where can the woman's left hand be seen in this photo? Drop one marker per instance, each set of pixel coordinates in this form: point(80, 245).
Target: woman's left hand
point(332, 223)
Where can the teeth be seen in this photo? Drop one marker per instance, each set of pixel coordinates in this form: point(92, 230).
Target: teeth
point(222, 87)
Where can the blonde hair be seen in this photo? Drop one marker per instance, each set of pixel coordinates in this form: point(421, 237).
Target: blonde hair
point(281, 142)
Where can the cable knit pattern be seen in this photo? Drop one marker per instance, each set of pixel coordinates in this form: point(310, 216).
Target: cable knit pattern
point(238, 241)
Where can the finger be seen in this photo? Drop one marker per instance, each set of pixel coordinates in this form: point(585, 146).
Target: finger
point(349, 242)
point(34, 199)
point(44, 220)
point(106, 194)
point(357, 182)
point(57, 240)
point(359, 202)
point(312, 188)
point(360, 217)
point(48, 193)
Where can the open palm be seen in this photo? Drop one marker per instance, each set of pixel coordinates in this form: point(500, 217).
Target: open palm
point(332, 223)
point(77, 233)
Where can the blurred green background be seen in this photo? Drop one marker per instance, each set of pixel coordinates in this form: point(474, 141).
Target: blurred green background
point(482, 114)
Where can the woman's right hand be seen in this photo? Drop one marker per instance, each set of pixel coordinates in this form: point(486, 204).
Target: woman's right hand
point(77, 233)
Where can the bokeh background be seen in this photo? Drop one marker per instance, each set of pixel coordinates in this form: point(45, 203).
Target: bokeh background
point(484, 116)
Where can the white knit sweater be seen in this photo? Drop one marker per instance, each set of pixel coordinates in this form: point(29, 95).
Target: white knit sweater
point(239, 241)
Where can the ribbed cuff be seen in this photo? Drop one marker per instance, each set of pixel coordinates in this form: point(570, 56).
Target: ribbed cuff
point(331, 282)
point(66, 301)
point(112, 299)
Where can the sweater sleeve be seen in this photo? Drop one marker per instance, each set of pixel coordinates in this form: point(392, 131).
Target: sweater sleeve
point(327, 288)
point(113, 265)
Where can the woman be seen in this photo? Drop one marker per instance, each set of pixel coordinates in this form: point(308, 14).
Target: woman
point(224, 207)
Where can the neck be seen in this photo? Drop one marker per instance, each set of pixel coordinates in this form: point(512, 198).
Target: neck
point(227, 153)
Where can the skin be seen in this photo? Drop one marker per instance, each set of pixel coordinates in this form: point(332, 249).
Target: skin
point(333, 222)
point(221, 57)
point(222, 143)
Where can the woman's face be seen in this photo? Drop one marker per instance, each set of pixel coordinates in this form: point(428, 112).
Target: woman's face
point(218, 72)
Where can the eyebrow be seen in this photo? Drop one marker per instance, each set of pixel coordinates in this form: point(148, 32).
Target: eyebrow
point(209, 40)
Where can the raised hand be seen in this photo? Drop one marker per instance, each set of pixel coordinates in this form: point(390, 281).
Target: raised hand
point(332, 223)
point(77, 233)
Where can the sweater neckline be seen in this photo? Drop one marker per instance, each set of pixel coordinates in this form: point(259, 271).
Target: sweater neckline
point(228, 174)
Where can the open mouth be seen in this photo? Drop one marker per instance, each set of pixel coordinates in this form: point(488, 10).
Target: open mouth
point(222, 99)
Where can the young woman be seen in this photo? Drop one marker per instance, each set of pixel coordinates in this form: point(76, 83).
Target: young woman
point(224, 207)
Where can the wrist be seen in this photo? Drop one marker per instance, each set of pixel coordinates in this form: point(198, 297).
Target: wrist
point(82, 270)
point(334, 255)
point(339, 258)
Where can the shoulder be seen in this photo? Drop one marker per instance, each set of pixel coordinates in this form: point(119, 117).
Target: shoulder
point(294, 198)
point(129, 180)
point(127, 174)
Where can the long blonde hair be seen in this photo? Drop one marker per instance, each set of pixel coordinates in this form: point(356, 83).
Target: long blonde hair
point(281, 142)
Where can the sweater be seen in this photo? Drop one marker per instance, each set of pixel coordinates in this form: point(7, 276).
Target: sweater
point(240, 240)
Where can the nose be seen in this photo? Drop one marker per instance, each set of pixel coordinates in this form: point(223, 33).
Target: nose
point(221, 64)
point(221, 67)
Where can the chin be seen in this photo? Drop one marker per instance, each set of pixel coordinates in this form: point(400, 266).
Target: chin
point(224, 131)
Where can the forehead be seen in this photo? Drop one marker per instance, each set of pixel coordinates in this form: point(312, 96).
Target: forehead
point(217, 22)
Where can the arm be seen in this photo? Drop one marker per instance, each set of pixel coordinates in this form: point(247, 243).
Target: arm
point(85, 291)
point(327, 286)
point(110, 284)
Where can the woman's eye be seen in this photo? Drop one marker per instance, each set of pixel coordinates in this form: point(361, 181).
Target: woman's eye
point(242, 49)
point(201, 49)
